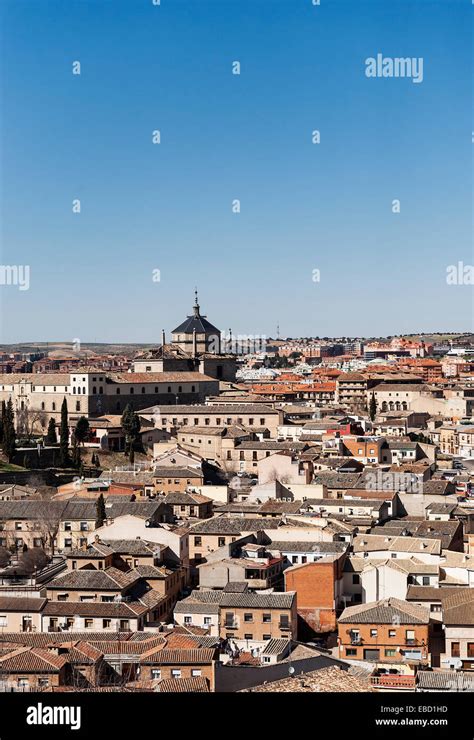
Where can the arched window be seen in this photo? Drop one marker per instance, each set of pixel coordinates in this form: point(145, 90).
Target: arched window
point(53, 406)
point(78, 405)
point(42, 406)
point(74, 389)
point(94, 391)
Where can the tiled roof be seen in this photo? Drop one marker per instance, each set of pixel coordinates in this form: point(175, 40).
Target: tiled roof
point(429, 593)
point(212, 409)
point(234, 525)
point(276, 646)
point(193, 685)
point(458, 607)
point(446, 680)
point(313, 547)
point(21, 604)
point(371, 542)
point(132, 547)
point(332, 679)
point(195, 656)
point(31, 660)
point(111, 609)
point(385, 612)
point(44, 639)
point(109, 579)
point(225, 599)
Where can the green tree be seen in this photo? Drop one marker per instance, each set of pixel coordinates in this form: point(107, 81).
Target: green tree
point(76, 454)
point(2, 420)
point(100, 515)
point(372, 407)
point(9, 434)
point(131, 426)
point(51, 436)
point(64, 459)
point(81, 432)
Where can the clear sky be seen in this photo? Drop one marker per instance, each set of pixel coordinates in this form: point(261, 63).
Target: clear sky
point(168, 206)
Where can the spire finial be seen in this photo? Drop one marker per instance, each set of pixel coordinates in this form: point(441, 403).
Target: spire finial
point(196, 303)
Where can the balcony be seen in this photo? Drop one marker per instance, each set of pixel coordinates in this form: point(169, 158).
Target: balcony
point(392, 681)
point(231, 625)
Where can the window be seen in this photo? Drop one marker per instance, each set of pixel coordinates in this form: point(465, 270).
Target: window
point(67, 526)
point(267, 637)
point(426, 580)
point(196, 672)
point(106, 623)
point(455, 650)
point(220, 541)
point(124, 624)
point(248, 617)
point(175, 673)
point(3, 620)
point(262, 422)
point(207, 620)
point(373, 633)
point(188, 620)
point(155, 673)
point(88, 623)
point(392, 633)
point(351, 651)
point(390, 653)
point(356, 579)
point(267, 617)
point(78, 405)
point(248, 636)
point(18, 526)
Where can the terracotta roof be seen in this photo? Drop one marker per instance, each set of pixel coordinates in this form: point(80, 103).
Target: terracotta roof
point(458, 607)
point(110, 579)
point(195, 656)
point(196, 684)
point(31, 660)
point(385, 612)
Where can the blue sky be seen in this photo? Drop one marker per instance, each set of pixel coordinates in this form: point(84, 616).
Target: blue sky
point(223, 137)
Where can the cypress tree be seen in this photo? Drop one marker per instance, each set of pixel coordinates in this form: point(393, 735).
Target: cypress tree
point(51, 436)
point(2, 420)
point(372, 407)
point(100, 511)
point(64, 437)
point(9, 434)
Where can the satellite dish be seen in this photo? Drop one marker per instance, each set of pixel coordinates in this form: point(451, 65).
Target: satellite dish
point(291, 670)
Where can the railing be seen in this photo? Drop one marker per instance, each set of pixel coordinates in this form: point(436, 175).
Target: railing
point(394, 681)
